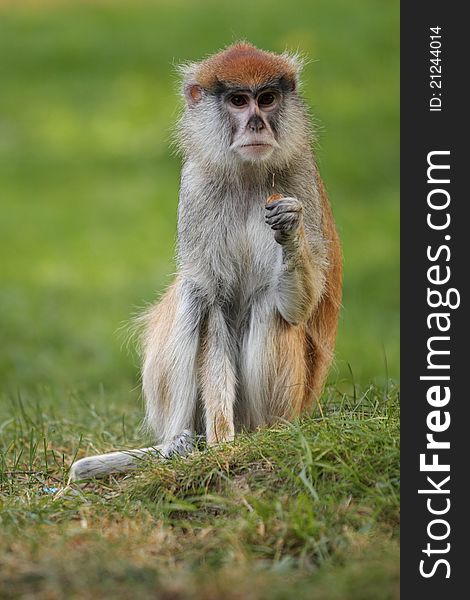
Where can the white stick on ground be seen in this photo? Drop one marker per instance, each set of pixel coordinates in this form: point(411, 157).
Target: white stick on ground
point(94, 467)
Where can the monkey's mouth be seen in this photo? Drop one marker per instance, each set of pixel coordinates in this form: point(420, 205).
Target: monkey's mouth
point(254, 149)
point(255, 144)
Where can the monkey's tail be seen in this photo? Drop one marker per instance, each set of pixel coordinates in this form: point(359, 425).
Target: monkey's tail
point(94, 467)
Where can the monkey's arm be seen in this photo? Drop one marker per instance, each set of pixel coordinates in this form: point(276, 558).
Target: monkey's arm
point(302, 278)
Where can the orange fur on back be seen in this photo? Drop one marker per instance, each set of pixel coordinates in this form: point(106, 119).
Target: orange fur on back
point(321, 328)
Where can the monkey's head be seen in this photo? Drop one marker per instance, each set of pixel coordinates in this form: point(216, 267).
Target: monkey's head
point(242, 106)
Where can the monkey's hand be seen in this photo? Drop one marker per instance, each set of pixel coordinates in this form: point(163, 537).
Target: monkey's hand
point(285, 217)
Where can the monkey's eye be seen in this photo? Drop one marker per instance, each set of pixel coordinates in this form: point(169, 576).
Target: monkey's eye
point(266, 99)
point(238, 101)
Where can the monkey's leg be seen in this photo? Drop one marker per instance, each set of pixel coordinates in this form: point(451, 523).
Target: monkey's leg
point(122, 462)
point(169, 374)
point(218, 379)
point(169, 381)
point(272, 366)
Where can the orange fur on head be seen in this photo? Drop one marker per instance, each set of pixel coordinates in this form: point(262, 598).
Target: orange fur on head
point(244, 65)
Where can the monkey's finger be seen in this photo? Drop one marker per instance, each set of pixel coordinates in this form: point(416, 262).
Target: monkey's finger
point(284, 227)
point(284, 205)
point(289, 226)
point(287, 217)
point(283, 200)
point(288, 203)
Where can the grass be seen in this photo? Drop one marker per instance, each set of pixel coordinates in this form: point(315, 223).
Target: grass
point(310, 507)
point(88, 190)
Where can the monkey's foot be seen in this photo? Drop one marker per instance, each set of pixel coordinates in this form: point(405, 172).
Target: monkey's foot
point(181, 445)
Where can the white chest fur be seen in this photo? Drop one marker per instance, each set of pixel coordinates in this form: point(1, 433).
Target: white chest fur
point(234, 253)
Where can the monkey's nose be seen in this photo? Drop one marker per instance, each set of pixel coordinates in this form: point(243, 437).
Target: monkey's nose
point(255, 123)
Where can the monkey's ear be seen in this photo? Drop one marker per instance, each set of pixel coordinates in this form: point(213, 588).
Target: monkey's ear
point(289, 83)
point(192, 93)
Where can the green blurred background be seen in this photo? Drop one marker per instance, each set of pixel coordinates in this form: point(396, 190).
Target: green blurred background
point(88, 182)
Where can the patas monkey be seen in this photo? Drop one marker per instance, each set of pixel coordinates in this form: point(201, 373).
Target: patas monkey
point(245, 334)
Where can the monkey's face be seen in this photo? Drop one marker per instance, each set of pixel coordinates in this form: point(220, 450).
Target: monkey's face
point(231, 125)
point(242, 107)
point(252, 117)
